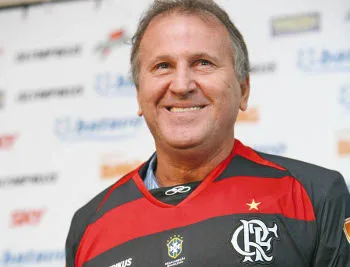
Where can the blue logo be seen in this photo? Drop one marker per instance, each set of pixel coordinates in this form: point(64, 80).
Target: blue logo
point(276, 149)
point(325, 60)
point(32, 257)
point(344, 96)
point(103, 129)
point(110, 84)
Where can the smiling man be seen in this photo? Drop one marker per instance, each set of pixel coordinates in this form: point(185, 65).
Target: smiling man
point(205, 199)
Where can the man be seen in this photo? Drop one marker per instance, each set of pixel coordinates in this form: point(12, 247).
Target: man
point(205, 199)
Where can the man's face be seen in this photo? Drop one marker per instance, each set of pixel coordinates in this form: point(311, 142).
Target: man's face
point(188, 90)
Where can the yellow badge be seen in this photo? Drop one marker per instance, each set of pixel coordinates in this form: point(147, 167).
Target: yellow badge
point(347, 229)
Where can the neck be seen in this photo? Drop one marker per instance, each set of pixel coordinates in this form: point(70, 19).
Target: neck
point(190, 165)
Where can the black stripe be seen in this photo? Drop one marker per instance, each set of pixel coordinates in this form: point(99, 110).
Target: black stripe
point(240, 166)
point(208, 243)
point(121, 195)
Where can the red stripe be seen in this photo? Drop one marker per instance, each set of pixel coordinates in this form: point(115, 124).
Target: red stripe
point(284, 196)
point(206, 182)
point(123, 180)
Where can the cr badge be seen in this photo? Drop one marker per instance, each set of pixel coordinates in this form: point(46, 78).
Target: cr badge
point(256, 240)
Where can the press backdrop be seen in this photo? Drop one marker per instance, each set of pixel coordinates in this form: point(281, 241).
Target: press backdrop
point(68, 122)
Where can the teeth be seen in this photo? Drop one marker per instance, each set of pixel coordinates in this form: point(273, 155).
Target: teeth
point(184, 109)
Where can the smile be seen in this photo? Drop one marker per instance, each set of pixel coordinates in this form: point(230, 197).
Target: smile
point(176, 109)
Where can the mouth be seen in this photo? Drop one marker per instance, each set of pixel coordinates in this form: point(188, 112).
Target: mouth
point(181, 110)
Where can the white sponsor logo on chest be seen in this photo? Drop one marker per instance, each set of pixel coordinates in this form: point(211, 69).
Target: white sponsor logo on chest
point(123, 263)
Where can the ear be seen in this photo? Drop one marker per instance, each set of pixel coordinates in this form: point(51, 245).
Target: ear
point(245, 91)
point(139, 112)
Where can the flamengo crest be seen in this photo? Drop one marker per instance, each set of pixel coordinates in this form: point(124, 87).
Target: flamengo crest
point(257, 238)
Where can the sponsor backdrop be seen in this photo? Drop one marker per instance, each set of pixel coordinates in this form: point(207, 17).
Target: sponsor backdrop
point(68, 122)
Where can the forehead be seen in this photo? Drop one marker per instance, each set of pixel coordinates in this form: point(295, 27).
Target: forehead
point(184, 32)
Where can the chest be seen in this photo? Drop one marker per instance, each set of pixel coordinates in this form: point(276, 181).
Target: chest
point(232, 227)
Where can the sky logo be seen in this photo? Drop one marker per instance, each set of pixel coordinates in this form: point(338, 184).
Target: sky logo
point(325, 60)
point(111, 85)
point(19, 259)
point(103, 129)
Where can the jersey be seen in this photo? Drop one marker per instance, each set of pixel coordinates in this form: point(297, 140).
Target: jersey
point(253, 209)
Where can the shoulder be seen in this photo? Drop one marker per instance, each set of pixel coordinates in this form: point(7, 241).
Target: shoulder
point(83, 216)
point(320, 183)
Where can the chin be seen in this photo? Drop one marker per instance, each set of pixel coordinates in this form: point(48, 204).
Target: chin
point(184, 143)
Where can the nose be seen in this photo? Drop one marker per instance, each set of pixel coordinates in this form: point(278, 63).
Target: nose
point(183, 82)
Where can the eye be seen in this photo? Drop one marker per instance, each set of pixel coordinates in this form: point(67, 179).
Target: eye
point(204, 62)
point(162, 65)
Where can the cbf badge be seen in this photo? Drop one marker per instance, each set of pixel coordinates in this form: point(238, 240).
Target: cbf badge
point(175, 246)
point(257, 239)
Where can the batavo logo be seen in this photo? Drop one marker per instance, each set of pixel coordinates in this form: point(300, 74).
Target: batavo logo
point(300, 23)
point(26, 217)
point(103, 129)
point(324, 60)
point(7, 141)
point(251, 115)
point(113, 84)
point(115, 39)
point(29, 258)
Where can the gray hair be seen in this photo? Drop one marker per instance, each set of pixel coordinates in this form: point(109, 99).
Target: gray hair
point(202, 8)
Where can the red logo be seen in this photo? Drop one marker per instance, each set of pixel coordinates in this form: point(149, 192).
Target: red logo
point(115, 39)
point(26, 217)
point(7, 141)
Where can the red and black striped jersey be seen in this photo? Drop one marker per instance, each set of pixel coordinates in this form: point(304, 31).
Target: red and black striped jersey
point(253, 209)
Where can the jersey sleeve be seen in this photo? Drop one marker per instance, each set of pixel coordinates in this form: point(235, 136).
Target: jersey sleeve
point(80, 222)
point(70, 241)
point(333, 247)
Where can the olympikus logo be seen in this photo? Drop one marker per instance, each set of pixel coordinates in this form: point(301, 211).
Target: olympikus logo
point(59, 92)
point(54, 52)
point(123, 263)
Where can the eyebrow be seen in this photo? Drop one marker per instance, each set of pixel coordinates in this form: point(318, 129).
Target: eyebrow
point(167, 57)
